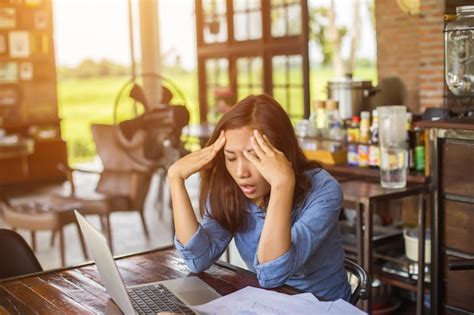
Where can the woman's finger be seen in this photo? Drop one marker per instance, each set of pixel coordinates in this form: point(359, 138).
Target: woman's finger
point(219, 144)
point(256, 147)
point(261, 142)
point(252, 158)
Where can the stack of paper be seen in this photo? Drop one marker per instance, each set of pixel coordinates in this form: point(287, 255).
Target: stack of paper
point(253, 301)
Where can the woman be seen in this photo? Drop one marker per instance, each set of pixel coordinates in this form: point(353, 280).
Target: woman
point(258, 187)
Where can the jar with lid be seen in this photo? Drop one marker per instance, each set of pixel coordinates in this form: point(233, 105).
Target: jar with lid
point(459, 52)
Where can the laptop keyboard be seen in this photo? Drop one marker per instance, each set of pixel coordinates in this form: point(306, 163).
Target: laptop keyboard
point(156, 298)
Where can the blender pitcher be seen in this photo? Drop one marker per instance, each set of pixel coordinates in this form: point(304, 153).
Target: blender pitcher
point(393, 146)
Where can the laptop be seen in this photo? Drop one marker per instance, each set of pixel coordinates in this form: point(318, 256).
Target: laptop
point(175, 296)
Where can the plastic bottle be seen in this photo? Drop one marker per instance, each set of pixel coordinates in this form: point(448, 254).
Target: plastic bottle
point(353, 136)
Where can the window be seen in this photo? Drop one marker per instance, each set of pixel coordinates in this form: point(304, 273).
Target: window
point(215, 23)
point(265, 47)
point(249, 76)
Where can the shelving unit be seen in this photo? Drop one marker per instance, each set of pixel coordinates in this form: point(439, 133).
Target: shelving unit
point(28, 93)
point(344, 168)
point(388, 247)
point(366, 194)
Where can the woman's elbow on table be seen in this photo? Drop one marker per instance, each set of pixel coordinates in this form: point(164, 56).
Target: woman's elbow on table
point(196, 266)
point(271, 283)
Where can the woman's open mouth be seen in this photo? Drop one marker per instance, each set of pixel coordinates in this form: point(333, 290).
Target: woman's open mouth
point(248, 189)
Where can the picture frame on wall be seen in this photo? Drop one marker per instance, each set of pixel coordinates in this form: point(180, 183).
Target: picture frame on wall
point(19, 44)
point(10, 95)
point(3, 44)
point(8, 72)
point(7, 17)
point(26, 71)
point(40, 20)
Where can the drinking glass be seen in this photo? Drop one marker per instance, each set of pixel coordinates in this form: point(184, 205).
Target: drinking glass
point(393, 146)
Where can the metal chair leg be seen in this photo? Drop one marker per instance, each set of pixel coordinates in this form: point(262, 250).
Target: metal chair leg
point(160, 200)
point(61, 246)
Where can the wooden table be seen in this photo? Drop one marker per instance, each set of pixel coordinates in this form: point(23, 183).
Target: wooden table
point(366, 194)
point(79, 289)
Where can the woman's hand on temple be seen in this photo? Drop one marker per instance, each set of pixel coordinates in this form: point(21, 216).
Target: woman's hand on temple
point(270, 162)
point(196, 161)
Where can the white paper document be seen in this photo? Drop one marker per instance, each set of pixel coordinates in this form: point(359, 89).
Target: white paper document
point(254, 301)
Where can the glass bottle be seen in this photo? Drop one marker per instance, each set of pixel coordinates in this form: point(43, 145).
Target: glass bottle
point(317, 117)
point(419, 150)
point(363, 149)
point(337, 136)
point(364, 127)
point(411, 141)
point(332, 116)
point(374, 150)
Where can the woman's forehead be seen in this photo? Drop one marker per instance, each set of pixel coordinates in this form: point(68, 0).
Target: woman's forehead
point(238, 139)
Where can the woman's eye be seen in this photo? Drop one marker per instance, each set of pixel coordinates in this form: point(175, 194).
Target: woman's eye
point(230, 159)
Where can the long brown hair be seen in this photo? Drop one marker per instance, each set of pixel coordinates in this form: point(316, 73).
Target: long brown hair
point(219, 191)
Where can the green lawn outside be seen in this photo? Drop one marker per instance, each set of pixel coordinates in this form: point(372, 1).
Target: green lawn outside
point(86, 101)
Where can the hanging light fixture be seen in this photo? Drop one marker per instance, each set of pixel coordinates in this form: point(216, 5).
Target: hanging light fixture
point(410, 7)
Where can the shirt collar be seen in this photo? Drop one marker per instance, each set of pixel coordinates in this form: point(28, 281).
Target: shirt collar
point(253, 208)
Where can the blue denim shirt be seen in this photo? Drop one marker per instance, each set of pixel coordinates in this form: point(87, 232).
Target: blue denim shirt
point(315, 261)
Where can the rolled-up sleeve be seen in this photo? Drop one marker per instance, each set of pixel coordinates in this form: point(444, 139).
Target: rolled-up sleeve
point(319, 216)
point(206, 245)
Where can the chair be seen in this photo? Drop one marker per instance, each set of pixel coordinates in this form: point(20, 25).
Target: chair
point(17, 256)
point(123, 184)
point(36, 216)
point(361, 290)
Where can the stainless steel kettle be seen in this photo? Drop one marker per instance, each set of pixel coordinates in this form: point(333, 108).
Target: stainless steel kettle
point(352, 95)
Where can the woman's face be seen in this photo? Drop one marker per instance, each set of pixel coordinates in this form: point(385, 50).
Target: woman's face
point(252, 184)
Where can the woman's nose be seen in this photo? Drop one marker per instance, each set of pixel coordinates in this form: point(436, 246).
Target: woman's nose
point(243, 169)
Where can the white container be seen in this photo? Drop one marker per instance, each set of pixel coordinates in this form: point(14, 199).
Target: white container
point(411, 245)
